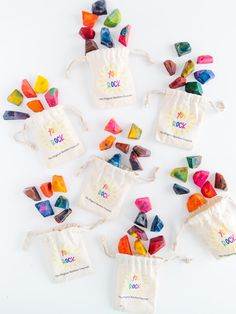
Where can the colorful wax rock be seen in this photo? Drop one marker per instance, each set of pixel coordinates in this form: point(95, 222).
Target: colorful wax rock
point(107, 143)
point(106, 38)
point(113, 127)
point(46, 189)
point(180, 190)
point(180, 173)
point(157, 224)
point(90, 45)
point(35, 105)
point(183, 48)
point(200, 177)
point(179, 82)
point(156, 244)
point(99, 7)
point(44, 208)
point(141, 151)
point(207, 190)
point(141, 220)
point(138, 233)
point(123, 147)
point(87, 33)
point(134, 162)
point(194, 161)
point(62, 202)
point(15, 97)
point(15, 115)
point(113, 19)
point(140, 248)
point(27, 90)
point(188, 68)
point(41, 85)
point(143, 204)
point(52, 97)
point(135, 132)
point(89, 19)
point(203, 76)
point(124, 35)
point(61, 217)
point(195, 201)
point(170, 66)
point(193, 88)
point(124, 246)
point(205, 59)
point(58, 184)
point(32, 193)
point(115, 160)
point(220, 182)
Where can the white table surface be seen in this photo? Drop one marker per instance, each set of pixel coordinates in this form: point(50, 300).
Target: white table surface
point(40, 37)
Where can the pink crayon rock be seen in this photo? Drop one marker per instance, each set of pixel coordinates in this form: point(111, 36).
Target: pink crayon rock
point(205, 59)
point(52, 97)
point(200, 177)
point(143, 204)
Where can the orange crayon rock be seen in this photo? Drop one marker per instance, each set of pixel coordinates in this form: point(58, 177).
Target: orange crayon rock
point(195, 201)
point(89, 19)
point(58, 184)
point(46, 189)
point(35, 105)
point(107, 143)
point(124, 246)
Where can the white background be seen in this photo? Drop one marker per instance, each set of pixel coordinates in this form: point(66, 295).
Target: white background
point(40, 37)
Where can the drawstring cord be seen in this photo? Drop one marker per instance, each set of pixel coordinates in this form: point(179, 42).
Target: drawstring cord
point(152, 92)
point(218, 105)
point(152, 178)
point(24, 141)
point(78, 113)
point(143, 53)
point(73, 63)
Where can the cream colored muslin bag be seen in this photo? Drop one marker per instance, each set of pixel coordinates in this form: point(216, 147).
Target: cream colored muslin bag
point(54, 135)
point(106, 187)
point(215, 222)
point(67, 252)
point(181, 116)
point(136, 284)
point(112, 80)
point(136, 280)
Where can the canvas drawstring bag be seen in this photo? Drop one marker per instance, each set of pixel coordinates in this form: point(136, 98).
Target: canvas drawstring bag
point(106, 187)
point(54, 135)
point(67, 252)
point(181, 116)
point(112, 81)
point(215, 222)
point(137, 281)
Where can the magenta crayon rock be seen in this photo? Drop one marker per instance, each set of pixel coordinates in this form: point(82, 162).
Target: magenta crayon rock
point(200, 177)
point(143, 204)
point(52, 97)
point(205, 59)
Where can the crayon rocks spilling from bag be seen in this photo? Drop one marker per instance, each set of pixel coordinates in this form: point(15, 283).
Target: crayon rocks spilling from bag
point(16, 97)
point(89, 19)
point(44, 207)
point(200, 178)
point(138, 151)
point(155, 244)
point(201, 76)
